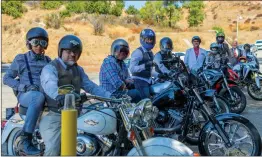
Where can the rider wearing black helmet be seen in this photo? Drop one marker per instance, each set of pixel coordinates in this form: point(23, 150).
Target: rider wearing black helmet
point(213, 59)
point(27, 68)
point(195, 56)
point(165, 53)
point(63, 71)
point(114, 76)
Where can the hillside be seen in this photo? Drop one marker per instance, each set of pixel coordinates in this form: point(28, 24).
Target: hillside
point(96, 48)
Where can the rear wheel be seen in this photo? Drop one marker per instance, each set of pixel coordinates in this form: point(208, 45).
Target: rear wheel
point(219, 106)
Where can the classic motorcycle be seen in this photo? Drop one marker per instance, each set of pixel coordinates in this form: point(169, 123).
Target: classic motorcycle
point(172, 101)
point(114, 128)
point(248, 75)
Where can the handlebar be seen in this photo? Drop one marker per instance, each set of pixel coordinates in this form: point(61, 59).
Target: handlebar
point(85, 97)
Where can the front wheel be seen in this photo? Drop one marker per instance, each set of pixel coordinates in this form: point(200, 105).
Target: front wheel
point(254, 92)
point(243, 135)
point(239, 103)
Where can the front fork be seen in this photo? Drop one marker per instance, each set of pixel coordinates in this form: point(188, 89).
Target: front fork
point(225, 85)
point(213, 120)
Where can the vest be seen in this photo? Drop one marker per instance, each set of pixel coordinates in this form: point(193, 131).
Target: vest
point(65, 77)
point(146, 58)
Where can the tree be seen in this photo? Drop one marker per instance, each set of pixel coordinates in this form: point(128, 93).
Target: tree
point(172, 13)
point(117, 8)
point(164, 14)
point(196, 12)
point(131, 10)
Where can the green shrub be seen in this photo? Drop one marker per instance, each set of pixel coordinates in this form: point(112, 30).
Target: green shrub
point(53, 21)
point(13, 8)
point(76, 7)
point(65, 13)
point(50, 5)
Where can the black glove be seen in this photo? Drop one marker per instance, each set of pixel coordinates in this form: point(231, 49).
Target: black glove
point(130, 86)
point(60, 100)
point(148, 64)
point(163, 76)
point(31, 88)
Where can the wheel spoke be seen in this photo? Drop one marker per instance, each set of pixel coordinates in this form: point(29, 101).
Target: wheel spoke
point(234, 133)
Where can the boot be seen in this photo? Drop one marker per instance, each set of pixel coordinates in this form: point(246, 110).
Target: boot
point(27, 146)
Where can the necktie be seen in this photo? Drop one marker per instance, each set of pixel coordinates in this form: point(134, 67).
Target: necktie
point(235, 53)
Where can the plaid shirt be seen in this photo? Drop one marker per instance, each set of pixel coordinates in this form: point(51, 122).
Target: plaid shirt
point(113, 74)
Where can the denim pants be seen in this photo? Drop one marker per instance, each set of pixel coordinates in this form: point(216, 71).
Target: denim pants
point(143, 87)
point(34, 100)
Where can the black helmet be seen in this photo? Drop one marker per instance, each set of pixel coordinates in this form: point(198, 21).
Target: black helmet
point(119, 45)
point(214, 48)
point(196, 38)
point(70, 42)
point(246, 45)
point(36, 32)
point(166, 45)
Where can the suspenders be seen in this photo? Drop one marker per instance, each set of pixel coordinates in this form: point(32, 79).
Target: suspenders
point(28, 68)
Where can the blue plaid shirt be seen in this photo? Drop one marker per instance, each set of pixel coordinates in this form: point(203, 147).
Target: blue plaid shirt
point(18, 69)
point(113, 74)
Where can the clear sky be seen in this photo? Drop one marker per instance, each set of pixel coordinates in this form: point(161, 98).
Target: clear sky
point(137, 4)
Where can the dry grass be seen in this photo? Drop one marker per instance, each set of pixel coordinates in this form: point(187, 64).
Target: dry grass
point(131, 39)
point(96, 48)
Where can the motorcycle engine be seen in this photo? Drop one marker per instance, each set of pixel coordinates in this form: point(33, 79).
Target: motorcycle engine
point(87, 146)
point(162, 117)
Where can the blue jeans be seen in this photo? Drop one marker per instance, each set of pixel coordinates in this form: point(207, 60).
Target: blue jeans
point(143, 87)
point(34, 100)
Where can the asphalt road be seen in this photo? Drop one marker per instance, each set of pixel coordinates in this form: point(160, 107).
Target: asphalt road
point(253, 110)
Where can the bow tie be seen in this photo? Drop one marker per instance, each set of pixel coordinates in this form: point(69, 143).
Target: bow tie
point(39, 57)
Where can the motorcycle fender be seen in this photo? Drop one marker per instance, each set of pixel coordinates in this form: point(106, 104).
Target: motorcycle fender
point(162, 146)
point(14, 122)
point(208, 126)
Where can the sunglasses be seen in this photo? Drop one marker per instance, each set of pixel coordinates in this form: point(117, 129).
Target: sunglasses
point(214, 49)
point(36, 42)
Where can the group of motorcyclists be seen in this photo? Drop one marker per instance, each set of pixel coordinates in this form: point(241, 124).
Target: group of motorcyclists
point(40, 77)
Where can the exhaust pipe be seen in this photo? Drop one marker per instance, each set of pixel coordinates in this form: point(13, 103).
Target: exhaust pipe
point(166, 130)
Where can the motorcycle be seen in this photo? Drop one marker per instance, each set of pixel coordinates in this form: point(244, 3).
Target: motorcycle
point(115, 128)
point(172, 101)
point(248, 76)
point(218, 79)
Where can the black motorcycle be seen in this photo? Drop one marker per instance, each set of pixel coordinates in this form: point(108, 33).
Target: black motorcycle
point(222, 135)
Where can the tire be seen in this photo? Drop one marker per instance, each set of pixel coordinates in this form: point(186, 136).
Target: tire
point(253, 95)
point(205, 144)
point(11, 140)
point(12, 143)
point(223, 104)
point(235, 107)
point(198, 126)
